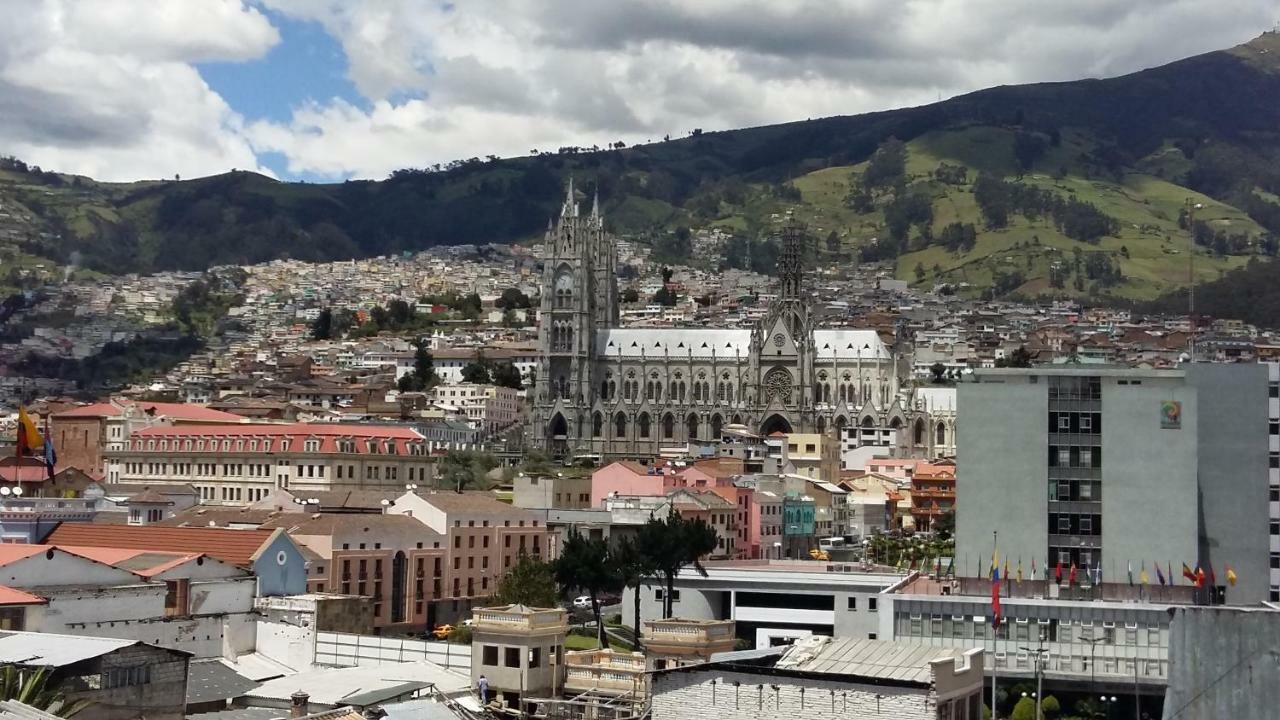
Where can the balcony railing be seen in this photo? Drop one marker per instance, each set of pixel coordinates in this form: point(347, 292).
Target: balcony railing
point(530, 619)
point(605, 670)
point(689, 632)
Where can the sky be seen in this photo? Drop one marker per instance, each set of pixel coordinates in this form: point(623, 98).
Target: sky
point(326, 90)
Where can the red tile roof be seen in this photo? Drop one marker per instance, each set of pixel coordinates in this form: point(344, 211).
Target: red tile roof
point(271, 437)
point(176, 411)
point(12, 553)
point(10, 596)
point(232, 546)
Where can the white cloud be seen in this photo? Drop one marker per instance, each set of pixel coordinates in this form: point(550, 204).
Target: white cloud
point(108, 86)
point(108, 89)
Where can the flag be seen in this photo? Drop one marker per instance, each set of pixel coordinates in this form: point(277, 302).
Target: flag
point(1071, 577)
point(1199, 576)
point(1231, 576)
point(1188, 573)
point(50, 457)
point(1143, 577)
point(1019, 568)
point(951, 567)
point(28, 435)
point(1006, 575)
point(1159, 574)
point(1213, 579)
point(1097, 573)
point(1168, 567)
point(1129, 566)
point(1057, 573)
point(995, 588)
point(1033, 569)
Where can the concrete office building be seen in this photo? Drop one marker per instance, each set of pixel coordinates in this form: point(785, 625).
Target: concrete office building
point(1273, 480)
point(775, 601)
point(1111, 468)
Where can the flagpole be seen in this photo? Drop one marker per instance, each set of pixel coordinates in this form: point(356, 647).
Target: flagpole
point(995, 634)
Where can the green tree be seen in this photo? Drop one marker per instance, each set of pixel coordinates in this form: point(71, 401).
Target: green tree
point(833, 242)
point(530, 582)
point(506, 375)
point(460, 469)
point(664, 296)
point(888, 165)
point(322, 328)
point(1050, 706)
point(586, 565)
point(33, 687)
point(477, 371)
point(537, 463)
point(424, 375)
point(920, 273)
point(511, 299)
point(938, 371)
point(674, 543)
point(630, 295)
point(1025, 709)
point(634, 566)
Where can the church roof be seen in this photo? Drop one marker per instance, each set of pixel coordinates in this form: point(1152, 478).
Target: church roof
point(844, 344)
point(656, 342)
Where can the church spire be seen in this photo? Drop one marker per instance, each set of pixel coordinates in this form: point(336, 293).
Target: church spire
point(595, 205)
point(790, 261)
point(570, 208)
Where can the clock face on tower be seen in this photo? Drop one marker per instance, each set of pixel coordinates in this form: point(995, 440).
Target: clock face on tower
point(778, 339)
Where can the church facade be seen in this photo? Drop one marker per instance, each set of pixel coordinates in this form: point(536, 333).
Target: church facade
point(605, 392)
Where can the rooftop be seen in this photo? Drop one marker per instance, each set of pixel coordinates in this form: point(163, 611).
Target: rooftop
point(877, 659)
point(237, 547)
point(33, 649)
point(176, 411)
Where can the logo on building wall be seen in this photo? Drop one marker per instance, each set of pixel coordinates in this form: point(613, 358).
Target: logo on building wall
point(1171, 415)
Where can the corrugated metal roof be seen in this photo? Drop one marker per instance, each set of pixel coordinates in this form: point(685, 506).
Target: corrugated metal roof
point(30, 648)
point(878, 659)
point(214, 680)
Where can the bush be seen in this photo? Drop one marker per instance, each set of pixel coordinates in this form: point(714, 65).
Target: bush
point(1050, 706)
point(460, 635)
point(1024, 710)
point(614, 619)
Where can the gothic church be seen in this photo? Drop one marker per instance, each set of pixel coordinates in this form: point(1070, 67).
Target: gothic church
point(605, 392)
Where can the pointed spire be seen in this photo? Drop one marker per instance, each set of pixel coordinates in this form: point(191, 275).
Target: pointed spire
point(595, 205)
point(570, 208)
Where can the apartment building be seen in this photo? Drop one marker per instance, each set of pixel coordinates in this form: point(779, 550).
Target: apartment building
point(488, 408)
point(545, 492)
point(933, 493)
point(241, 464)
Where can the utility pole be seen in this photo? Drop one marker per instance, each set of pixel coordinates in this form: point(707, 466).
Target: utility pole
point(995, 630)
point(1039, 651)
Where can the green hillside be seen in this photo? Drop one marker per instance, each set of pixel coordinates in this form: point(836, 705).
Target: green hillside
point(1086, 180)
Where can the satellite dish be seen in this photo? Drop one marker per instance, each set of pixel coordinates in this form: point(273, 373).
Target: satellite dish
point(5, 491)
point(17, 491)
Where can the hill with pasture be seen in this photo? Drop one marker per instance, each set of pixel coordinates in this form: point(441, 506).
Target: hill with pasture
point(1073, 188)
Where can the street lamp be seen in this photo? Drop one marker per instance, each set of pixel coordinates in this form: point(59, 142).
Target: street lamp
point(1039, 651)
point(1107, 702)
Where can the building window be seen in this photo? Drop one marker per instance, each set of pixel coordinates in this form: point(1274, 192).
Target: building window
point(176, 598)
point(489, 655)
point(853, 602)
point(511, 657)
point(871, 604)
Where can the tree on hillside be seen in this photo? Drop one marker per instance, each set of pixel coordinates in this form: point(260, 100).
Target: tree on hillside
point(634, 567)
point(665, 297)
point(511, 299)
point(1019, 358)
point(587, 566)
point(888, 166)
point(630, 295)
point(833, 242)
point(529, 582)
point(674, 543)
point(322, 328)
point(1028, 148)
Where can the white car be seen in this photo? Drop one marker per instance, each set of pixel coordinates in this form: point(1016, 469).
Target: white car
point(582, 602)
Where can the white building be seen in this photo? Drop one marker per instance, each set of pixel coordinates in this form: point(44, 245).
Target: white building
point(488, 408)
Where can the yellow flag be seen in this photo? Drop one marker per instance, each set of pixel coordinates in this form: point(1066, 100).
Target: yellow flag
point(1143, 577)
point(1231, 576)
point(28, 434)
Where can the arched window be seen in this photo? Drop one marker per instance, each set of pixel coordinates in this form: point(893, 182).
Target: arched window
point(729, 397)
point(692, 423)
point(644, 425)
point(675, 390)
point(868, 422)
point(822, 425)
point(717, 423)
point(841, 422)
point(620, 425)
point(684, 390)
point(613, 389)
point(940, 435)
point(697, 392)
point(737, 419)
point(597, 425)
point(706, 392)
point(668, 426)
point(604, 389)
point(896, 423)
point(917, 434)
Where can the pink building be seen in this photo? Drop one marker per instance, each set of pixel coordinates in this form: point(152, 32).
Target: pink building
point(629, 478)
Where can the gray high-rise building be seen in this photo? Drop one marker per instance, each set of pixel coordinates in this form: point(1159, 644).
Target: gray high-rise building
point(1115, 469)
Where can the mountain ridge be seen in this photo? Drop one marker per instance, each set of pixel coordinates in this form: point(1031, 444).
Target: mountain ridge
point(1203, 125)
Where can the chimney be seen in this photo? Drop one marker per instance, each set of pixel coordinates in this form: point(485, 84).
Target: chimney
point(298, 704)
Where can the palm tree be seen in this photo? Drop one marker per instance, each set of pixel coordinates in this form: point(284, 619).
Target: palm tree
point(634, 566)
point(586, 565)
point(32, 687)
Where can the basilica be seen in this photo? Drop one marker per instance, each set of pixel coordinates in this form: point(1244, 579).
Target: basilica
point(605, 392)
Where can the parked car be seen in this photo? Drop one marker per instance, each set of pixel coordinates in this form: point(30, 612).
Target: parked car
point(582, 602)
